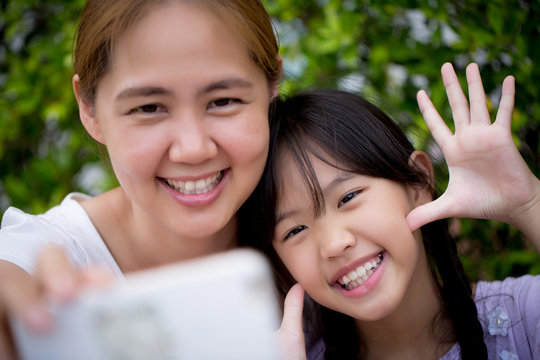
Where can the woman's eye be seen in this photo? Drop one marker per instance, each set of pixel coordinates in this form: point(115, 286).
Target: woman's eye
point(295, 231)
point(348, 197)
point(148, 109)
point(223, 102)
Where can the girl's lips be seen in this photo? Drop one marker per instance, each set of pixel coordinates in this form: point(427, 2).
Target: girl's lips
point(357, 290)
point(353, 266)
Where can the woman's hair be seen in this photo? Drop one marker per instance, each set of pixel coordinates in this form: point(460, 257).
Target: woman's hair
point(346, 131)
point(103, 22)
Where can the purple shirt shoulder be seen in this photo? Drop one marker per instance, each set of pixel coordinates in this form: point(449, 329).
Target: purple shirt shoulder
point(509, 311)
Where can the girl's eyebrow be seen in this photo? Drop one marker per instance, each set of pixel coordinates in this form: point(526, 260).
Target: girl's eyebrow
point(284, 215)
point(341, 177)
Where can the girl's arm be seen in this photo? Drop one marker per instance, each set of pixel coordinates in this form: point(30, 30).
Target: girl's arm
point(488, 177)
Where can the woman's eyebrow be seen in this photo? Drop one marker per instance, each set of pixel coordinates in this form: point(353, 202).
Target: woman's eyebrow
point(142, 91)
point(227, 84)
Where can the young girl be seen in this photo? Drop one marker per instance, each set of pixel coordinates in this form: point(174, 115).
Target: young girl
point(349, 191)
point(178, 92)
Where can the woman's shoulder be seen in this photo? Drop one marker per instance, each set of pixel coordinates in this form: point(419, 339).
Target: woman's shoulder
point(509, 313)
point(67, 212)
point(23, 235)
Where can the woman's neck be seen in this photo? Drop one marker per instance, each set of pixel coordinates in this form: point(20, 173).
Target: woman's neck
point(415, 330)
point(137, 241)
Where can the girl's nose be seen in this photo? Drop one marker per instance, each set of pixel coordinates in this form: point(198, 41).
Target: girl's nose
point(334, 243)
point(192, 143)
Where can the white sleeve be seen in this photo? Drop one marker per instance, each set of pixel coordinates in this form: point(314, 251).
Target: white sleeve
point(23, 237)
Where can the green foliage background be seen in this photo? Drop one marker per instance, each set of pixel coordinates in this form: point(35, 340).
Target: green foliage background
point(387, 50)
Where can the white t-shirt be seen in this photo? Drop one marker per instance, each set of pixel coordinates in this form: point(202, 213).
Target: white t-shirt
point(23, 236)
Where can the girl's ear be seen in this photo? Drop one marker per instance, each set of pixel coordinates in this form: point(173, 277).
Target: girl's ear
point(421, 161)
point(87, 113)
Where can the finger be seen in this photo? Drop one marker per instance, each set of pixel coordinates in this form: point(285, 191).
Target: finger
point(96, 276)
point(477, 96)
point(434, 122)
point(506, 106)
point(20, 296)
point(432, 211)
point(56, 274)
point(458, 101)
point(292, 310)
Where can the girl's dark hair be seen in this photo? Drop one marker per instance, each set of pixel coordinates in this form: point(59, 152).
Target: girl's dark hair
point(340, 127)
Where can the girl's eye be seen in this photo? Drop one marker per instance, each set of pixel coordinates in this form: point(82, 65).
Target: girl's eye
point(295, 231)
point(348, 197)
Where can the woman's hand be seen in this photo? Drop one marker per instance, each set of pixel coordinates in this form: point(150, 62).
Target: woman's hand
point(24, 296)
point(290, 334)
point(488, 177)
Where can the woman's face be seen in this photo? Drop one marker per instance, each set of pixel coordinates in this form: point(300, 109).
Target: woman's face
point(359, 256)
point(183, 113)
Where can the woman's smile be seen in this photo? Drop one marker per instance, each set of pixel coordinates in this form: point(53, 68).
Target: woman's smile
point(198, 186)
point(197, 193)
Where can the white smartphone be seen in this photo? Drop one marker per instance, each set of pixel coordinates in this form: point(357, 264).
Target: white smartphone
point(218, 307)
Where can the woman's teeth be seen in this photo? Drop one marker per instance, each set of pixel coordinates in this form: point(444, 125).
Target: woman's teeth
point(357, 277)
point(200, 186)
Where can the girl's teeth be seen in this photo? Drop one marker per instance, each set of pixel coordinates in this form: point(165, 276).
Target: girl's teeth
point(361, 274)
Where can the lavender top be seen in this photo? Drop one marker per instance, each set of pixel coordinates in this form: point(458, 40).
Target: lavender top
point(509, 312)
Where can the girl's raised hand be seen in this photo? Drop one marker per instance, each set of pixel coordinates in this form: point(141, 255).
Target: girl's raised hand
point(290, 334)
point(488, 177)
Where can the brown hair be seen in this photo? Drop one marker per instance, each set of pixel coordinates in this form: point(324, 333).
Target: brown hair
point(103, 22)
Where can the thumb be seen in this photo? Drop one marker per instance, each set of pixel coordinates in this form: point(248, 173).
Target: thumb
point(291, 334)
point(432, 211)
point(292, 310)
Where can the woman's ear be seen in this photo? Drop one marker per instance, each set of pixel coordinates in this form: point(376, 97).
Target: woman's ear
point(421, 161)
point(87, 113)
point(274, 87)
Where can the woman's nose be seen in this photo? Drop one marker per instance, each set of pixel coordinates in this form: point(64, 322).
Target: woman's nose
point(334, 243)
point(192, 142)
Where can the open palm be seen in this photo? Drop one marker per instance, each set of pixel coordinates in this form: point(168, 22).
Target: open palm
point(488, 177)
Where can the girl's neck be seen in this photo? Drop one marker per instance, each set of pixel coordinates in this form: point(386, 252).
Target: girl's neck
point(140, 244)
point(416, 330)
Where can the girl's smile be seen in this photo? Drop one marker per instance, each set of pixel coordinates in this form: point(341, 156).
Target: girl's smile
point(359, 274)
point(357, 256)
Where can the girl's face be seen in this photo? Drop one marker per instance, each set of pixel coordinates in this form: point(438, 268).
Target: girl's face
point(359, 257)
point(183, 113)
